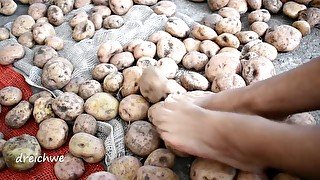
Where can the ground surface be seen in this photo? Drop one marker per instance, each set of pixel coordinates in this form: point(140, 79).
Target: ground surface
point(308, 49)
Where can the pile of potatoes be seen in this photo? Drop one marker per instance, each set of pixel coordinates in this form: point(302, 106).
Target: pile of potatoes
point(132, 80)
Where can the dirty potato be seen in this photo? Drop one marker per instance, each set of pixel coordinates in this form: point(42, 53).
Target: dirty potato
point(240, 5)
point(142, 138)
point(265, 50)
point(70, 168)
point(260, 15)
point(120, 7)
point(311, 15)
point(145, 62)
point(10, 96)
point(125, 167)
point(274, 6)
point(202, 32)
point(217, 4)
point(209, 48)
point(78, 18)
point(246, 36)
point(177, 27)
point(133, 108)
point(65, 5)
point(211, 20)
point(254, 4)
point(26, 39)
point(38, 95)
point(74, 84)
point(102, 175)
point(113, 22)
point(4, 34)
point(303, 27)
point(292, 9)
point(259, 27)
point(100, 71)
point(81, 3)
point(68, 106)
point(108, 49)
point(154, 172)
point(55, 15)
point(52, 133)
point(195, 60)
point(42, 30)
point(11, 53)
point(145, 49)
point(8, 7)
point(43, 109)
point(55, 42)
point(227, 40)
point(37, 10)
point(22, 24)
point(161, 158)
point(156, 37)
point(97, 20)
point(172, 48)
point(19, 115)
point(226, 12)
point(228, 25)
point(167, 8)
point(101, 9)
point(89, 88)
point(85, 123)
point(225, 81)
point(191, 44)
point(112, 82)
point(131, 77)
point(194, 81)
point(168, 67)
point(83, 30)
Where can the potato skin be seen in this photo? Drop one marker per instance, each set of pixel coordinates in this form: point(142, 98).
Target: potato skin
point(26, 144)
point(260, 15)
point(227, 40)
point(125, 167)
point(83, 30)
point(131, 77)
point(145, 49)
point(133, 108)
point(209, 48)
point(211, 20)
point(123, 60)
point(172, 48)
point(177, 27)
point(108, 49)
point(89, 88)
point(100, 71)
point(202, 32)
point(209, 169)
point(43, 55)
point(228, 25)
point(4, 33)
point(88, 147)
point(161, 158)
point(113, 82)
point(102, 106)
point(68, 106)
point(55, 15)
point(26, 39)
point(22, 24)
point(154, 172)
point(41, 31)
point(43, 109)
point(85, 123)
point(19, 115)
point(74, 84)
point(37, 10)
point(142, 138)
point(71, 168)
point(194, 81)
point(52, 133)
point(113, 22)
point(120, 7)
point(10, 96)
point(102, 175)
point(11, 53)
point(265, 50)
point(225, 81)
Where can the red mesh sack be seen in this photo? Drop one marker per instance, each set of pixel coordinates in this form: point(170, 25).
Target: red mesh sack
point(44, 170)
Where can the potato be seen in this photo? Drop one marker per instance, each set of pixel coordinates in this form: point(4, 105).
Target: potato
point(81, 3)
point(194, 81)
point(226, 81)
point(42, 20)
point(55, 15)
point(227, 40)
point(301, 119)
point(112, 82)
point(145, 62)
point(4, 34)
point(1, 137)
point(167, 8)
point(74, 84)
point(142, 138)
point(26, 40)
point(222, 63)
point(292, 9)
point(120, 7)
point(55, 42)
point(100, 71)
point(89, 88)
point(210, 169)
point(172, 48)
point(78, 18)
point(145, 2)
point(10, 96)
point(37, 10)
point(8, 7)
point(202, 32)
point(83, 30)
point(172, 87)
point(56, 73)
point(41, 31)
point(43, 109)
point(23, 144)
point(228, 25)
point(315, 3)
point(88, 147)
point(145, 49)
point(85, 123)
point(47, 2)
point(246, 36)
point(303, 27)
point(125, 167)
point(284, 176)
point(103, 10)
point(22, 24)
point(65, 5)
point(161, 158)
point(311, 15)
point(102, 106)
point(133, 108)
point(101, 2)
point(38, 95)
point(113, 22)
point(284, 38)
point(217, 4)
point(19, 115)
point(71, 168)
point(209, 48)
point(177, 27)
point(265, 50)
point(108, 49)
point(131, 45)
point(243, 175)
point(131, 77)
point(229, 12)
point(195, 60)
point(52, 133)
point(168, 67)
point(260, 15)
point(211, 20)
point(259, 27)
point(257, 69)
point(68, 106)
point(155, 37)
point(274, 6)
point(97, 20)
point(11, 53)
point(254, 4)
point(230, 50)
point(2, 142)
point(2, 163)
point(191, 44)
point(154, 172)
point(240, 5)
point(102, 175)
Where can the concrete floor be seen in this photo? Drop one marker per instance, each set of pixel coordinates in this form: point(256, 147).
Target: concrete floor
point(308, 49)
